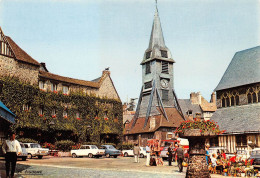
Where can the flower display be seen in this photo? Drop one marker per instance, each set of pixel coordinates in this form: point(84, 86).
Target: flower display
point(204, 126)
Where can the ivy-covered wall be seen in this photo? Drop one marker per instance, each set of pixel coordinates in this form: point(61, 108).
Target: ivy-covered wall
point(97, 116)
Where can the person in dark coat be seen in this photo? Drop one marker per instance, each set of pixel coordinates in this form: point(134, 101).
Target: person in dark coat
point(170, 152)
point(180, 157)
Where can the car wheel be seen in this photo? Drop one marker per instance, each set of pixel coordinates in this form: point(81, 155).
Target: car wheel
point(40, 157)
point(115, 156)
point(24, 158)
point(142, 155)
point(29, 156)
point(107, 155)
point(74, 155)
point(90, 155)
point(125, 154)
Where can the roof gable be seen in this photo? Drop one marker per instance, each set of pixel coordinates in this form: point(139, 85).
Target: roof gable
point(243, 69)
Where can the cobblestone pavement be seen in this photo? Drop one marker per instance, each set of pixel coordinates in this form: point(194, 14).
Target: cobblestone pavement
point(92, 167)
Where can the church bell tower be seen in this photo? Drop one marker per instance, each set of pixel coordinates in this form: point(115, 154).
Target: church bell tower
point(157, 92)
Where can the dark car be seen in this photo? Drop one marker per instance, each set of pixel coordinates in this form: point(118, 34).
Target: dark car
point(255, 155)
point(110, 150)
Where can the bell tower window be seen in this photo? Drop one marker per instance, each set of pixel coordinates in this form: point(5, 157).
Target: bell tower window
point(164, 54)
point(165, 94)
point(148, 85)
point(165, 67)
point(148, 55)
point(147, 68)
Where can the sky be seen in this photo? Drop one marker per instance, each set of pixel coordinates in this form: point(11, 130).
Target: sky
point(80, 38)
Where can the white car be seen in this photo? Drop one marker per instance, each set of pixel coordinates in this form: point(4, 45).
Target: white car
point(24, 153)
point(243, 154)
point(164, 153)
point(35, 149)
point(131, 152)
point(88, 150)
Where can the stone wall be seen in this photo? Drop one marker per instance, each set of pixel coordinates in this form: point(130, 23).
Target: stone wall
point(25, 72)
point(107, 89)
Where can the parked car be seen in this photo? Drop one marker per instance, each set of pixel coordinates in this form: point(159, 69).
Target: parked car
point(243, 154)
point(255, 155)
point(35, 150)
point(110, 150)
point(24, 153)
point(88, 150)
point(131, 152)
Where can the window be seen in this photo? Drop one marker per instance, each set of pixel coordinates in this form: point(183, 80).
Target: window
point(237, 100)
point(164, 53)
point(148, 55)
point(147, 68)
point(213, 141)
point(26, 107)
point(65, 113)
point(223, 102)
point(65, 90)
point(249, 98)
point(148, 85)
point(241, 140)
point(165, 66)
point(189, 112)
point(165, 95)
point(254, 97)
point(77, 115)
point(53, 113)
point(53, 87)
point(40, 111)
point(227, 102)
point(259, 96)
point(41, 85)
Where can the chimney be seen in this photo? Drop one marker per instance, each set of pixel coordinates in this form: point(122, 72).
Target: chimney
point(195, 98)
point(213, 98)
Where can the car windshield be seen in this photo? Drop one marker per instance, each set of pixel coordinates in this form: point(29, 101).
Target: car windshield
point(35, 146)
point(111, 147)
point(94, 147)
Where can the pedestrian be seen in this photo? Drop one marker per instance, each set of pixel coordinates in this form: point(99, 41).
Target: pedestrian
point(136, 153)
point(207, 153)
point(170, 152)
point(180, 157)
point(148, 154)
point(11, 148)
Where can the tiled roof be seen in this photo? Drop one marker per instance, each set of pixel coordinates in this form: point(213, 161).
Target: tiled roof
point(49, 75)
point(244, 118)
point(243, 69)
point(206, 106)
point(174, 121)
point(20, 54)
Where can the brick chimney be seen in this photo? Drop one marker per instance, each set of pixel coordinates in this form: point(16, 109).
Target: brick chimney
point(213, 98)
point(195, 98)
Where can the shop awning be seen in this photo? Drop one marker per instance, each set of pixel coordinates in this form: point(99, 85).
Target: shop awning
point(6, 114)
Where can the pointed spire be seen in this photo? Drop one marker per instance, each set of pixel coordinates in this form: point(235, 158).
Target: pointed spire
point(157, 45)
point(156, 37)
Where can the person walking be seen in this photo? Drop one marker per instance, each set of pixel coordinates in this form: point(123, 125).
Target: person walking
point(136, 153)
point(180, 157)
point(170, 152)
point(148, 154)
point(11, 148)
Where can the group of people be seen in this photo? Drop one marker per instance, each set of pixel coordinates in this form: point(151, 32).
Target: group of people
point(154, 150)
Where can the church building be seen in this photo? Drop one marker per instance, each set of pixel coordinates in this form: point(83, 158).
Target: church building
point(158, 112)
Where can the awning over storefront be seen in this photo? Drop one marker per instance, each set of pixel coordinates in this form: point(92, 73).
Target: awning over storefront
point(6, 114)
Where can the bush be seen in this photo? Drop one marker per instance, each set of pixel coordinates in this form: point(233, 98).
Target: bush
point(27, 140)
point(126, 146)
point(49, 145)
point(64, 145)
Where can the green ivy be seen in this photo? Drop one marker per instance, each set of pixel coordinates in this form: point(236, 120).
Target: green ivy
point(14, 94)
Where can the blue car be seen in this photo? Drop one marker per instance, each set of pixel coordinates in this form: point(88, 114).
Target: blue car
point(110, 150)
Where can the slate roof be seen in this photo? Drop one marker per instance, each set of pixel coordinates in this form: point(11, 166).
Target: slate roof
point(20, 54)
point(174, 121)
point(186, 105)
point(243, 69)
point(49, 75)
point(244, 118)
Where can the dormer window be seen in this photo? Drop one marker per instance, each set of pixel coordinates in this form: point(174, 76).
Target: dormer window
point(65, 90)
point(53, 87)
point(147, 68)
point(165, 67)
point(148, 55)
point(41, 85)
point(164, 54)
